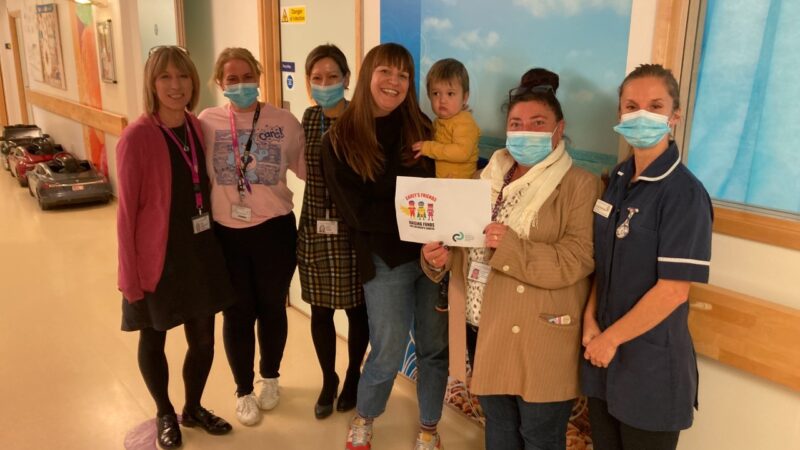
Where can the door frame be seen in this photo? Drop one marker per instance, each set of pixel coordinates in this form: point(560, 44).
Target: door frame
point(16, 49)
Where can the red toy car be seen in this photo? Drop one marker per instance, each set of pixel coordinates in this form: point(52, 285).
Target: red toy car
point(24, 157)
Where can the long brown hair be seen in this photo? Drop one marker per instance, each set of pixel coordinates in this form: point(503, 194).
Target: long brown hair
point(353, 135)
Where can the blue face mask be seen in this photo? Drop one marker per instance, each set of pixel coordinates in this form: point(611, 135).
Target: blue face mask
point(327, 96)
point(529, 147)
point(643, 129)
point(242, 95)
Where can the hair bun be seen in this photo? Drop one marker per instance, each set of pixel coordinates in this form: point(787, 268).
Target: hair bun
point(539, 77)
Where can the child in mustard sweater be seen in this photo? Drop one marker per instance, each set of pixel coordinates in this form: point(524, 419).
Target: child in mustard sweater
point(455, 134)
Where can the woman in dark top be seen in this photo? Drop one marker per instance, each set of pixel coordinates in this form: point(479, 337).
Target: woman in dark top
point(325, 257)
point(362, 156)
point(652, 233)
point(171, 268)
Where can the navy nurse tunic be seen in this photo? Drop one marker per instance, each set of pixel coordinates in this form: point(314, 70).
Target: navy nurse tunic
point(651, 383)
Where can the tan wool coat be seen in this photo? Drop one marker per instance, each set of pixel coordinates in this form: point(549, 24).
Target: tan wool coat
point(548, 275)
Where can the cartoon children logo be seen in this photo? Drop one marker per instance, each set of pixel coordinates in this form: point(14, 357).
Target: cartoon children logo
point(419, 210)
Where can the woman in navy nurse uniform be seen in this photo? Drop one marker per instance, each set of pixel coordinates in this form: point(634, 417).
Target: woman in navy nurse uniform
point(652, 231)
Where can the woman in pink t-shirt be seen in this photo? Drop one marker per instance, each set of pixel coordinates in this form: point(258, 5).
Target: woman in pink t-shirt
point(250, 146)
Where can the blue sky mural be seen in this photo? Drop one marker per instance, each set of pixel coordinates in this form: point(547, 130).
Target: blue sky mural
point(584, 41)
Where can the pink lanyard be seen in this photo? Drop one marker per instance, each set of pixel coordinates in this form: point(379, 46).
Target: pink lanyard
point(198, 196)
point(241, 163)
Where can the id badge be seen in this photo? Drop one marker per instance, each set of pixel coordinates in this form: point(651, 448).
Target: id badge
point(201, 223)
point(602, 208)
point(479, 272)
point(241, 212)
point(327, 227)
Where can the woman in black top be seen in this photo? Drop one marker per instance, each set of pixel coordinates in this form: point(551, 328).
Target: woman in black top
point(362, 156)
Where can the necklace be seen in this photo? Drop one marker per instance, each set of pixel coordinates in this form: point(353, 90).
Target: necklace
point(183, 137)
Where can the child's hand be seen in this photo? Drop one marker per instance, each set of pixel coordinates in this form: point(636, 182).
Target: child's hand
point(417, 149)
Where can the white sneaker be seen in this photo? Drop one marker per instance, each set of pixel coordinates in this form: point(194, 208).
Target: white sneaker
point(247, 409)
point(359, 437)
point(428, 441)
point(270, 393)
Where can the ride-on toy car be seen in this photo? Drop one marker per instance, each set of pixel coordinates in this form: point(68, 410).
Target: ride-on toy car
point(14, 135)
point(67, 180)
point(24, 156)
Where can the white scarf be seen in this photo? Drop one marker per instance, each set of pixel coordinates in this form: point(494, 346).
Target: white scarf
point(532, 188)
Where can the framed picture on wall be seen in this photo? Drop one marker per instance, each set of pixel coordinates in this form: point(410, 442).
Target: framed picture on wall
point(105, 46)
point(50, 45)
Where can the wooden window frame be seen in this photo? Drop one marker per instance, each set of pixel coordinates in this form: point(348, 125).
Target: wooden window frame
point(676, 41)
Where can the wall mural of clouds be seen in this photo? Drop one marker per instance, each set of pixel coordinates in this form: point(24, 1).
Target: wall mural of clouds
point(584, 41)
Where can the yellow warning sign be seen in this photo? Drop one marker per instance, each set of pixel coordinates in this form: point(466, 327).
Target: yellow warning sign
point(293, 14)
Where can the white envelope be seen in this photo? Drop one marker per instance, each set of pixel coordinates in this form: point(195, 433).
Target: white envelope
point(453, 211)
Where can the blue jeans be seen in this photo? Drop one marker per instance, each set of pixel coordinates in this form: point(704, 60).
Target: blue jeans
point(514, 424)
point(397, 299)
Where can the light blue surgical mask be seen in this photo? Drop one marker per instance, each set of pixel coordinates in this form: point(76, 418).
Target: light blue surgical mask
point(529, 147)
point(327, 96)
point(643, 129)
point(242, 95)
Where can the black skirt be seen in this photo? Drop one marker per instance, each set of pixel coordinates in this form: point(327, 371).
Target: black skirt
point(194, 282)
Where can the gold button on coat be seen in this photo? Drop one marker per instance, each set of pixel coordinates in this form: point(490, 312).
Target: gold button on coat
point(505, 268)
point(515, 329)
point(520, 289)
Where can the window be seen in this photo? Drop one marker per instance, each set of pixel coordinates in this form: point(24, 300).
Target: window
point(743, 141)
point(735, 58)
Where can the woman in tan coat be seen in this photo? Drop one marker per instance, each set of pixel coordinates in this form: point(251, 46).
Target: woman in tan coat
point(526, 289)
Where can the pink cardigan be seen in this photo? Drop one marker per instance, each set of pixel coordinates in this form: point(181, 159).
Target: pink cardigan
point(144, 184)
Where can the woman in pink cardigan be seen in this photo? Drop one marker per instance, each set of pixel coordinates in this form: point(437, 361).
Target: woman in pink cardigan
point(171, 267)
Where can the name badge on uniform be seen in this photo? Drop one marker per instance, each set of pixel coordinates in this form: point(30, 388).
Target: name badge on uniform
point(479, 272)
point(327, 227)
point(201, 222)
point(241, 212)
point(602, 208)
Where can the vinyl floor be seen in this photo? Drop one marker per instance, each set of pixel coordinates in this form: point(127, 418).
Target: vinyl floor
point(68, 375)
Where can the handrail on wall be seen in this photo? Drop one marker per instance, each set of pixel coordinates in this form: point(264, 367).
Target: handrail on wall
point(748, 333)
point(96, 118)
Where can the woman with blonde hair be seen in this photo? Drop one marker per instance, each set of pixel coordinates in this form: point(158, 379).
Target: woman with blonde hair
point(362, 156)
point(171, 269)
point(251, 146)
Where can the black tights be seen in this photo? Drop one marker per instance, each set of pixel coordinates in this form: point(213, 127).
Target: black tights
point(196, 364)
point(323, 333)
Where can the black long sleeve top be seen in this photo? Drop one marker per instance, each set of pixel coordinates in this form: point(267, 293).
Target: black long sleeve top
point(368, 206)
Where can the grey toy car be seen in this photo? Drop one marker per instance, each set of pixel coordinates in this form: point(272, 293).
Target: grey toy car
point(67, 180)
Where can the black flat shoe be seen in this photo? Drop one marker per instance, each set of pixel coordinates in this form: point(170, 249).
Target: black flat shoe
point(206, 420)
point(321, 410)
point(347, 400)
point(169, 433)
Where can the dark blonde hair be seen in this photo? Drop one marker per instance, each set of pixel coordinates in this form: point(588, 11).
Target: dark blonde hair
point(157, 62)
point(655, 71)
point(446, 70)
point(353, 135)
point(327, 51)
point(234, 53)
